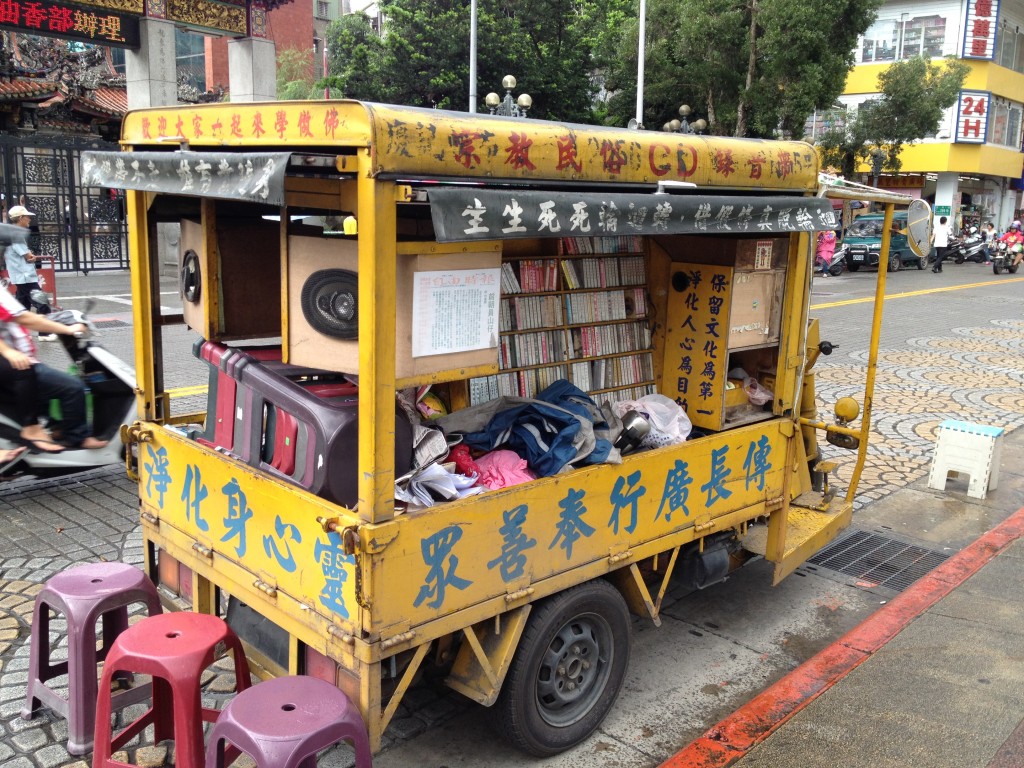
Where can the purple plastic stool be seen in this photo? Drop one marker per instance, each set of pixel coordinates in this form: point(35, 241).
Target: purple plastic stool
point(83, 594)
point(284, 722)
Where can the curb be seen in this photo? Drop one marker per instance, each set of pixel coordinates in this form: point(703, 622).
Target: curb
point(731, 739)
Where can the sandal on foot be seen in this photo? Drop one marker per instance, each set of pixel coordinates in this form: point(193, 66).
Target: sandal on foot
point(41, 445)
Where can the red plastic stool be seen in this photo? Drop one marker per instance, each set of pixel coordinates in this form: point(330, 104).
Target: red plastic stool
point(284, 722)
point(175, 649)
point(85, 594)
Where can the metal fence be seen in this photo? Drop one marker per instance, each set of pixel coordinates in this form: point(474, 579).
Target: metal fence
point(83, 228)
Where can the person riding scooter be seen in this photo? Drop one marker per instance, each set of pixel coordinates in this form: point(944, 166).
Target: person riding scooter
point(33, 395)
point(1014, 239)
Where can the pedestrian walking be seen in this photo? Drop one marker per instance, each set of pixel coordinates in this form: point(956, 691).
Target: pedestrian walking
point(825, 250)
point(21, 263)
point(940, 239)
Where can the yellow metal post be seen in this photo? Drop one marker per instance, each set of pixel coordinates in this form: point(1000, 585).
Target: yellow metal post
point(140, 259)
point(876, 333)
point(377, 278)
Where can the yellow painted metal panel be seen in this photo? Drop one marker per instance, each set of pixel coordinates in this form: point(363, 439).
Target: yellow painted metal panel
point(460, 554)
point(438, 143)
point(244, 516)
point(425, 566)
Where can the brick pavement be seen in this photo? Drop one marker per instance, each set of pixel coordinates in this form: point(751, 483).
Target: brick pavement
point(972, 373)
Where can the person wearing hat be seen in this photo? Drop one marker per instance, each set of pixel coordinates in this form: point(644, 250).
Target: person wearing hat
point(21, 267)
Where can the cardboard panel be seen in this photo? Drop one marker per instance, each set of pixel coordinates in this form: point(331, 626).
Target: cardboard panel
point(755, 309)
point(236, 270)
point(306, 346)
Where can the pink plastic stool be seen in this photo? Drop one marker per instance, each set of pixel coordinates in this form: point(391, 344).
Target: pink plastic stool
point(284, 722)
point(175, 649)
point(85, 594)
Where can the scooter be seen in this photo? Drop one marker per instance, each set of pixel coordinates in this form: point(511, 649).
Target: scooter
point(110, 384)
point(837, 264)
point(969, 247)
point(1003, 258)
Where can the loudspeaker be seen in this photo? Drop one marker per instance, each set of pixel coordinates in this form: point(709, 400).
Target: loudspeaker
point(323, 305)
point(223, 282)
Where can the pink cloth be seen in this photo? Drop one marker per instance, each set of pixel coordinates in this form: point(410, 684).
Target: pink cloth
point(500, 469)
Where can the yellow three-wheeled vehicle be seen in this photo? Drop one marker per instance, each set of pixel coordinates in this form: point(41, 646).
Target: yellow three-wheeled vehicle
point(350, 267)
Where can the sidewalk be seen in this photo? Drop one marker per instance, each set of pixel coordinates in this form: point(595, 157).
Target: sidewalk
point(934, 678)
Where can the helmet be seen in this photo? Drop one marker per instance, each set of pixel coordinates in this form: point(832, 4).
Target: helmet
point(1016, 224)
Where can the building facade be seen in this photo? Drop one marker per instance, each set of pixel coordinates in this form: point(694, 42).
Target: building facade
point(972, 167)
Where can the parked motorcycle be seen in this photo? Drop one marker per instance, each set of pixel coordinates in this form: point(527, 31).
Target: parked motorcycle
point(1003, 258)
point(969, 247)
point(110, 383)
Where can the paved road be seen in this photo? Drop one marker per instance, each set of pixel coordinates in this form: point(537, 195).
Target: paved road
point(951, 349)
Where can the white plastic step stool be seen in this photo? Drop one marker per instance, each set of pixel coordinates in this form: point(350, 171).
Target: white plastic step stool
point(973, 449)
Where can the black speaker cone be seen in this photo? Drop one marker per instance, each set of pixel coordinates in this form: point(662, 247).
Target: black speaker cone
point(330, 303)
point(191, 277)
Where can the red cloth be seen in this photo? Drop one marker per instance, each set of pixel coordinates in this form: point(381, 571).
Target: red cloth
point(464, 463)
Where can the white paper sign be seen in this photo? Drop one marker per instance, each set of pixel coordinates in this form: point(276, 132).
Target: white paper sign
point(455, 311)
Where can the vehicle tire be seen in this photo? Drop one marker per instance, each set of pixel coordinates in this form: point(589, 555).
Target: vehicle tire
point(567, 670)
point(960, 258)
point(852, 267)
point(922, 263)
point(895, 263)
point(835, 270)
point(996, 269)
point(1013, 270)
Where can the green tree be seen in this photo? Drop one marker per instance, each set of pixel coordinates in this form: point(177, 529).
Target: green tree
point(913, 95)
point(294, 74)
point(355, 57)
point(549, 45)
point(752, 67)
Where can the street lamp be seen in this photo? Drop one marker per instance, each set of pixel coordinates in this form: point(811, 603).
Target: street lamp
point(508, 107)
point(684, 125)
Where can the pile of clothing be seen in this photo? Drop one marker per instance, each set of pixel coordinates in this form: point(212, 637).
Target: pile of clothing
point(512, 440)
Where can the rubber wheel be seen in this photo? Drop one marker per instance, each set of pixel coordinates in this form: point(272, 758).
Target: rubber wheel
point(567, 670)
point(1013, 270)
point(895, 263)
point(996, 269)
point(922, 263)
point(852, 267)
point(835, 270)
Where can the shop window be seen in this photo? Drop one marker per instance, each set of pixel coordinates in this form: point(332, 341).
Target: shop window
point(1018, 60)
point(1007, 47)
point(924, 36)
point(879, 42)
point(997, 123)
point(1013, 127)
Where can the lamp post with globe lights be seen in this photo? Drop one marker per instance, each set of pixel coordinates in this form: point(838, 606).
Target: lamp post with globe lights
point(683, 125)
point(508, 106)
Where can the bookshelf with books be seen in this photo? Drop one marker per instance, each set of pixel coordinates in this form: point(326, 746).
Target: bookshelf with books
point(581, 314)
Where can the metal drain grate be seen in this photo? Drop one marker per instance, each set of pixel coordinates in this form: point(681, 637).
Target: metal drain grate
point(878, 560)
point(110, 323)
